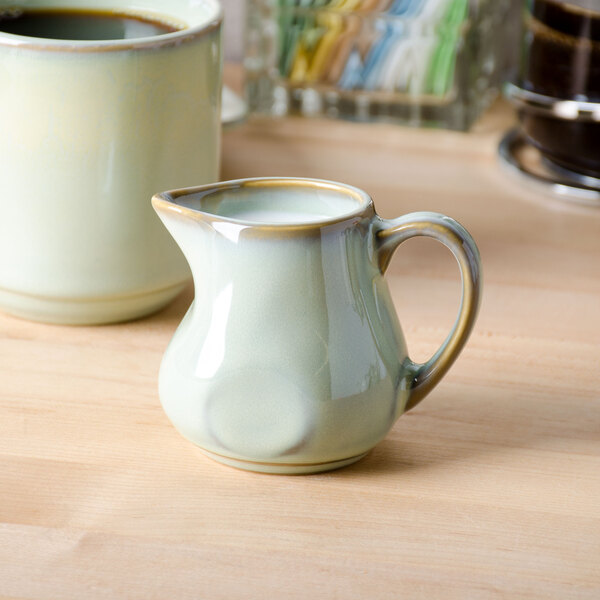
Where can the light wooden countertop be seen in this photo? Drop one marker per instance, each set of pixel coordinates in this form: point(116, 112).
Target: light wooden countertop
point(488, 489)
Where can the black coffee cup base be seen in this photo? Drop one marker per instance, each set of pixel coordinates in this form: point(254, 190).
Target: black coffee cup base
point(571, 144)
point(523, 160)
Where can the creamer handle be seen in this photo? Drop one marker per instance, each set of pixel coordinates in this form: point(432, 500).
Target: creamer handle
point(389, 234)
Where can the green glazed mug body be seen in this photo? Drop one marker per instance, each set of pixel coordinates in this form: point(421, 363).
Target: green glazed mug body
point(91, 129)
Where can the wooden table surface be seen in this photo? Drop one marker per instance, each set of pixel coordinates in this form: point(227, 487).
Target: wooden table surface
point(488, 489)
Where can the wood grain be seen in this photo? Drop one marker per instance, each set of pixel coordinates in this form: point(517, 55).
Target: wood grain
point(489, 489)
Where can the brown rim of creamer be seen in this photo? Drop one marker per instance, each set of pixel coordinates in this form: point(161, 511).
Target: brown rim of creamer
point(363, 209)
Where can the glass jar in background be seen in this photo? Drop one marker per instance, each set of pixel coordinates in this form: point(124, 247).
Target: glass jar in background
point(419, 62)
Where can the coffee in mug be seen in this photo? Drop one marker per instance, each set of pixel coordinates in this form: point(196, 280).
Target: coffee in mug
point(66, 24)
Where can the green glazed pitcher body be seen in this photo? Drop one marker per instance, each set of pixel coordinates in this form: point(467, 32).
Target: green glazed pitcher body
point(291, 358)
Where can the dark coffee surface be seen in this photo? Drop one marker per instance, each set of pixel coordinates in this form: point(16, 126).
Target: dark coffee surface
point(568, 18)
point(561, 55)
point(80, 25)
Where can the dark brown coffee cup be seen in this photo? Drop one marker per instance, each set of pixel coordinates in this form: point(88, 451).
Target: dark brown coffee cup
point(561, 50)
point(560, 83)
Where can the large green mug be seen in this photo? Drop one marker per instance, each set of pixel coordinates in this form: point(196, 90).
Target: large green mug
point(91, 128)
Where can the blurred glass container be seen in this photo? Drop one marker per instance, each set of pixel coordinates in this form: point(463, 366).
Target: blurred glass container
point(418, 62)
point(557, 94)
point(561, 49)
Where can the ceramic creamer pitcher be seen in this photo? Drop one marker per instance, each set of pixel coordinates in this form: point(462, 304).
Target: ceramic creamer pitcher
point(291, 358)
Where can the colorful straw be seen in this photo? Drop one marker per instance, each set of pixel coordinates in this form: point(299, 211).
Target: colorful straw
point(405, 46)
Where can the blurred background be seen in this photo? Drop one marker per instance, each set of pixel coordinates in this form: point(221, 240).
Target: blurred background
point(234, 29)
